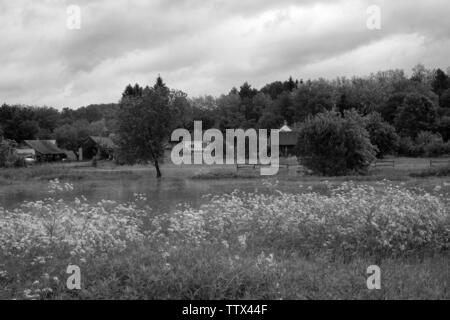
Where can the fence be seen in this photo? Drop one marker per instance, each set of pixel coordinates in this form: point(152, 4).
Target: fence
point(385, 163)
point(434, 163)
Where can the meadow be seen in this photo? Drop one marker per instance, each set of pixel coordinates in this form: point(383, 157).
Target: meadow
point(286, 237)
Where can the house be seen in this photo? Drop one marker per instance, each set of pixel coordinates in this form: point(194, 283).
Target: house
point(25, 152)
point(103, 147)
point(44, 150)
point(288, 141)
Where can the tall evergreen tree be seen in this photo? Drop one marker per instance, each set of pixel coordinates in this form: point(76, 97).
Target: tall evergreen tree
point(440, 83)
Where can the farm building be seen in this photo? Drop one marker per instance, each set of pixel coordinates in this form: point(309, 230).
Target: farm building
point(44, 150)
point(103, 147)
point(26, 152)
point(288, 141)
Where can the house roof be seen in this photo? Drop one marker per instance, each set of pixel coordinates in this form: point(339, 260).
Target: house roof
point(285, 128)
point(44, 146)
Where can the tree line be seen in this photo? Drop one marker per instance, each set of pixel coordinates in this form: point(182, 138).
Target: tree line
point(414, 111)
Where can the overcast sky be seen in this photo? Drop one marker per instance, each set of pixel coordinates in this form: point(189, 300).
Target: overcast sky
point(205, 47)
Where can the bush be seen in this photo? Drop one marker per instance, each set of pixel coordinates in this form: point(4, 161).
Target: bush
point(431, 144)
point(382, 134)
point(444, 127)
point(437, 148)
point(407, 147)
point(333, 145)
point(426, 144)
point(433, 172)
point(8, 156)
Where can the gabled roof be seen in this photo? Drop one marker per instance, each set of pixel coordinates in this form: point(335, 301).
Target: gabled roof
point(104, 142)
point(285, 128)
point(44, 146)
point(288, 137)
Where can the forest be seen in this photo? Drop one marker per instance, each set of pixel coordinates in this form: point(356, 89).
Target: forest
point(415, 109)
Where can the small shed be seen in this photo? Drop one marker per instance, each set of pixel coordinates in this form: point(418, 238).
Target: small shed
point(46, 150)
point(288, 141)
point(103, 147)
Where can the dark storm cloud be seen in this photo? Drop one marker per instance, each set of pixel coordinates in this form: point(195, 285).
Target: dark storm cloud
point(204, 46)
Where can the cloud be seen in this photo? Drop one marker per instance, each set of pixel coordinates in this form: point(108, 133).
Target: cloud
point(205, 47)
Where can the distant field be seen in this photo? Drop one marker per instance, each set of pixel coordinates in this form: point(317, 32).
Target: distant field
point(84, 170)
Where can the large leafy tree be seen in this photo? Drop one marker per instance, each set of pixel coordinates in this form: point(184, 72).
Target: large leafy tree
point(444, 100)
point(309, 99)
point(440, 83)
point(144, 124)
point(229, 112)
point(388, 110)
point(417, 113)
point(334, 145)
point(73, 136)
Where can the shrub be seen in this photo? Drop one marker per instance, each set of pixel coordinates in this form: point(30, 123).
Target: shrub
point(426, 144)
point(433, 172)
point(333, 145)
point(431, 144)
point(382, 134)
point(8, 156)
point(444, 126)
point(437, 148)
point(407, 147)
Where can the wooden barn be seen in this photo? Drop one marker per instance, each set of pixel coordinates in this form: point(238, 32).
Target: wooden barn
point(45, 150)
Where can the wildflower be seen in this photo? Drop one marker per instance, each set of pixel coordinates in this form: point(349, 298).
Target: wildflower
point(167, 267)
point(242, 239)
point(225, 244)
point(165, 255)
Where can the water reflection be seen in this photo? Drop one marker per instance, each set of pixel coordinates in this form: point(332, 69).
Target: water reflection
point(163, 195)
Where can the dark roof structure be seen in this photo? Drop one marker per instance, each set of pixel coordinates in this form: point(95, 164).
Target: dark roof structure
point(45, 147)
point(288, 138)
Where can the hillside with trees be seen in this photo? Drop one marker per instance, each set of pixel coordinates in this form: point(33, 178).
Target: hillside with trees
point(406, 115)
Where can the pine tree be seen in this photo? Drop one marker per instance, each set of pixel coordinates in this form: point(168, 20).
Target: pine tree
point(441, 82)
point(161, 87)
